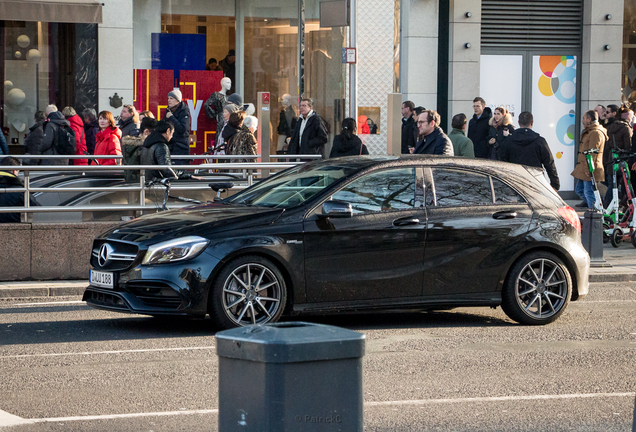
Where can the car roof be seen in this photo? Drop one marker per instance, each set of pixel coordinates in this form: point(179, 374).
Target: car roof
point(359, 163)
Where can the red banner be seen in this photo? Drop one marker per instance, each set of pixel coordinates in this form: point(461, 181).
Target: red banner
point(151, 93)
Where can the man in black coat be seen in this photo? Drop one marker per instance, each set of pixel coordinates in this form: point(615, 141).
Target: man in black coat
point(310, 134)
point(179, 115)
point(526, 147)
point(408, 127)
point(8, 180)
point(479, 128)
point(155, 150)
point(433, 140)
point(34, 139)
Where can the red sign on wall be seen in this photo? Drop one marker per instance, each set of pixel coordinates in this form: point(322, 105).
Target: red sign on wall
point(151, 93)
point(266, 98)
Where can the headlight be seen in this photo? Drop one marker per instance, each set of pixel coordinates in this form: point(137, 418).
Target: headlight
point(180, 249)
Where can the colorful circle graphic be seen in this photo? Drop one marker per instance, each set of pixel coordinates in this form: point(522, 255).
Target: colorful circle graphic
point(559, 77)
point(565, 129)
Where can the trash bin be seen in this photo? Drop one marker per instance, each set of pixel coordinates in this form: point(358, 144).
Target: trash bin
point(291, 376)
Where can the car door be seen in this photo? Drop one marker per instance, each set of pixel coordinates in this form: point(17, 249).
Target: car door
point(475, 223)
point(378, 252)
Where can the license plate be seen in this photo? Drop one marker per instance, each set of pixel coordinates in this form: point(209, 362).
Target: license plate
point(102, 279)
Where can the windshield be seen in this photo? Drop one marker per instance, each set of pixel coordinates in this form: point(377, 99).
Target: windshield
point(292, 187)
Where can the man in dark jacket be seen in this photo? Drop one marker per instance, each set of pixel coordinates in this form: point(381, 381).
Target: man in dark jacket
point(155, 150)
point(34, 139)
point(9, 179)
point(526, 147)
point(53, 122)
point(432, 139)
point(179, 115)
point(128, 121)
point(310, 134)
point(479, 128)
point(408, 127)
point(619, 137)
point(91, 128)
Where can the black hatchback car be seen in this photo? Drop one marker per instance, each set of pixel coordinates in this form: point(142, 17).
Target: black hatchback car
point(353, 234)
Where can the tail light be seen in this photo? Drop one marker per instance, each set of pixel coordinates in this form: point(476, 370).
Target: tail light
point(569, 214)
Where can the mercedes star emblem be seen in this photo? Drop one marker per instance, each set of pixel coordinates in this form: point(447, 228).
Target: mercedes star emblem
point(104, 252)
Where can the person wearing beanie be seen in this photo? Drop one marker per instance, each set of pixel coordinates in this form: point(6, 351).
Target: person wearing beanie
point(178, 114)
point(235, 99)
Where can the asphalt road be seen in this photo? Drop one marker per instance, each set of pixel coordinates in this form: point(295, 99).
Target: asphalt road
point(66, 367)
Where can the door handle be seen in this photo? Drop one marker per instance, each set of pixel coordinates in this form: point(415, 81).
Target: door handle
point(405, 222)
point(505, 215)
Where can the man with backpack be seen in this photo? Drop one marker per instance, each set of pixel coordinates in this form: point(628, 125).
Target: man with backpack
point(59, 138)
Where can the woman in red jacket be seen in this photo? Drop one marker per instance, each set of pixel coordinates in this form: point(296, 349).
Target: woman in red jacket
point(80, 137)
point(107, 139)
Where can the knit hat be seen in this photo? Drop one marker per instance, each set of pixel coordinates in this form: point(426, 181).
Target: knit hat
point(231, 108)
point(235, 98)
point(176, 93)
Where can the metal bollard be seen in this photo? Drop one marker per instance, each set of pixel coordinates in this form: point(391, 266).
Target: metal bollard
point(592, 238)
point(292, 376)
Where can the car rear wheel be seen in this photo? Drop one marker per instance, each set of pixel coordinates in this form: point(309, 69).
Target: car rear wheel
point(249, 290)
point(537, 289)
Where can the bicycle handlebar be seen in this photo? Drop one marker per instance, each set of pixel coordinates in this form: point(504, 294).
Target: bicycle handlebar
point(590, 151)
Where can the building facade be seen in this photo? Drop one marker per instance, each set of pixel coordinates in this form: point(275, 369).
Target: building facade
point(554, 58)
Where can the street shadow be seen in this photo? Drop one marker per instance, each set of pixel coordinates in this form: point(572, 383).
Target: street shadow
point(403, 320)
point(44, 309)
point(134, 327)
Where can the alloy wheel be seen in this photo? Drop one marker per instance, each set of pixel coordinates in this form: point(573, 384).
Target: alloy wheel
point(541, 289)
point(252, 294)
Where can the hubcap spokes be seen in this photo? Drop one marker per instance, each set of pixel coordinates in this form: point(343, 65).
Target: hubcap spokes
point(251, 295)
point(541, 288)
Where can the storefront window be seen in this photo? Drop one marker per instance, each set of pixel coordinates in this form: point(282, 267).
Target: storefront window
point(45, 63)
point(628, 83)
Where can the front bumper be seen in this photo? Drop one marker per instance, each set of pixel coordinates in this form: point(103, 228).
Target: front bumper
point(179, 289)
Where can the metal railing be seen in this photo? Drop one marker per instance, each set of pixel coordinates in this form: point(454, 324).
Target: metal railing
point(248, 171)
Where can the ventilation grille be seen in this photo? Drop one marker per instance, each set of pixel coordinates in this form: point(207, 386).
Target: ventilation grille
point(531, 23)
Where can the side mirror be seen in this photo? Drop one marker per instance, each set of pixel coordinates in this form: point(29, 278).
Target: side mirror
point(336, 209)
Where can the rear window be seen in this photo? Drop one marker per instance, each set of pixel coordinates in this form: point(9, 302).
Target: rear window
point(540, 176)
point(461, 188)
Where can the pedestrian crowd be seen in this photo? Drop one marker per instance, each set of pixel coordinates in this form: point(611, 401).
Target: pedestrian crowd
point(488, 134)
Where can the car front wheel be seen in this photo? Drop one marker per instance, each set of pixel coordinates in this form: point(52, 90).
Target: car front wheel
point(537, 289)
point(249, 290)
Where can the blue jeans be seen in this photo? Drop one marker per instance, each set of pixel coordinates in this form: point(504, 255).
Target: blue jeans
point(585, 190)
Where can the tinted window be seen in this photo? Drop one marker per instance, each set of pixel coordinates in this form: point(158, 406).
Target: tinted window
point(504, 194)
point(380, 191)
point(461, 188)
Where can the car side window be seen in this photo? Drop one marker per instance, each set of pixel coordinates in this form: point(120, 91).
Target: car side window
point(504, 194)
point(461, 188)
point(391, 189)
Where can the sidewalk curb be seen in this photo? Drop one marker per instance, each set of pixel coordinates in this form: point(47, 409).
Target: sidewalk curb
point(612, 277)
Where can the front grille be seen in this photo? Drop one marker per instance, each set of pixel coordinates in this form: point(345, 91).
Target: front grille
point(113, 255)
point(105, 299)
point(157, 294)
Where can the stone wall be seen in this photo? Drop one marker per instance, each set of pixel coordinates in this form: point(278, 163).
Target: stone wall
point(48, 251)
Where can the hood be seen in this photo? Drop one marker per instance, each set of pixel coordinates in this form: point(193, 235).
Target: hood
point(132, 141)
point(204, 220)
point(35, 126)
point(104, 134)
point(597, 127)
point(228, 132)
point(348, 144)
point(524, 136)
point(155, 138)
point(484, 116)
point(58, 118)
point(9, 180)
point(76, 122)
point(505, 121)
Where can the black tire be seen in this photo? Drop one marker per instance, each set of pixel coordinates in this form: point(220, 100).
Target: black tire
point(522, 289)
point(634, 239)
point(616, 238)
point(232, 302)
